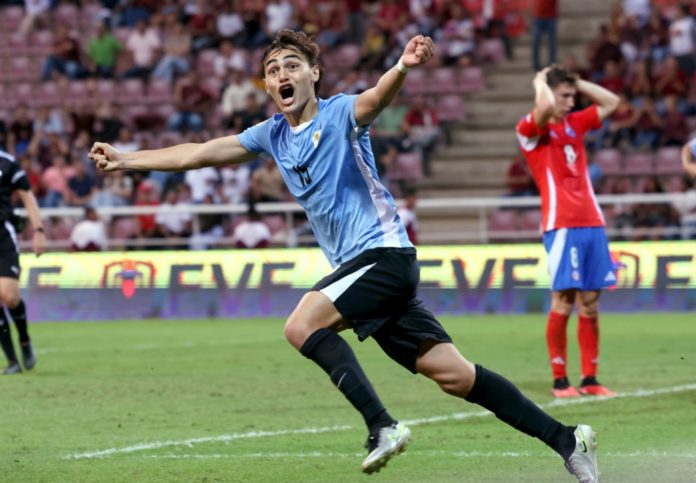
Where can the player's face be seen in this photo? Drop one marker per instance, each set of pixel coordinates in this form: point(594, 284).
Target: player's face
point(290, 80)
point(565, 99)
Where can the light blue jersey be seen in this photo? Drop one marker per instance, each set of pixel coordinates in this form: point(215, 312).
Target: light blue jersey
point(328, 166)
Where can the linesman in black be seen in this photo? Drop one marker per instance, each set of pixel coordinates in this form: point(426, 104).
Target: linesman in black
point(13, 178)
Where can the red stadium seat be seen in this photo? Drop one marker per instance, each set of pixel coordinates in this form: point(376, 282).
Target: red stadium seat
point(19, 68)
point(491, 50)
point(11, 17)
point(214, 87)
point(531, 220)
point(408, 166)
point(49, 94)
point(609, 160)
point(471, 79)
point(159, 91)
point(638, 164)
point(668, 160)
point(106, 89)
point(450, 108)
point(275, 223)
point(131, 91)
point(442, 80)
point(416, 82)
point(42, 43)
point(77, 94)
point(23, 93)
point(348, 56)
point(503, 220)
point(205, 64)
point(67, 15)
point(124, 228)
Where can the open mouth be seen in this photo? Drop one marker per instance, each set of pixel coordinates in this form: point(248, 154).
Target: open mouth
point(286, 94)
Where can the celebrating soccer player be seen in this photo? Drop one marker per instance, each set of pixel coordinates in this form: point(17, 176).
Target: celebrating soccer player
point(552, 140)
point(322, 149)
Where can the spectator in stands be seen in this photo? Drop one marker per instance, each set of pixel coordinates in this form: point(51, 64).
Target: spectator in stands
point(236, 181)
point(83, 118)
point(656, 34)
point(108, 123)
point(176, 47)
point(81, 185)
point(458, 37)
point(44, 148)
point(373, 48)
point(202, 27)
point(36, 13)
point(89, 234)
point(353, 82)
point(612, 79)
point(620, 124)
point(55, 182)
point(655, 215)
point(65, 59)
point(202, 183)
point(228, 58)
point(682, 32)
point(103, 50)
point(33, 171)
point(407, 213)
point(640, 9)
point(211, 228)
point(253, 113)
point(175, 223)
point(671, 80)
point(631, 40)
point(252, 232)
point(646, 124)
point(279, 15)
point(229, 22)
point(192, 100)
point(675, 130)
point(144, 45)
point(519, 180)
point(604, 48)
point(21, 131)
point(126, 142)
point(48, 121)
point(422, 128)
point(116, 190)
point(267, 183)
point(146, 195)
point(639, 81)
point(545, 18)
point(688, 156)
point(234, 98)
point(686, 207)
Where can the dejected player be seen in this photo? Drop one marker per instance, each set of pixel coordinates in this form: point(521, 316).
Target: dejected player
point(13, 178)
point(552, 140)
point(322, 149)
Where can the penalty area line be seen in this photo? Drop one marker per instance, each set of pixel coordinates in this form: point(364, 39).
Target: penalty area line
point(154, 445)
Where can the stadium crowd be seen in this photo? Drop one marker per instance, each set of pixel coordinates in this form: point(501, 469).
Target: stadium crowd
point(141, 74)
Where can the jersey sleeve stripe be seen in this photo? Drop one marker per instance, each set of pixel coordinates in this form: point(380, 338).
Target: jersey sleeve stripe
point(18, 175)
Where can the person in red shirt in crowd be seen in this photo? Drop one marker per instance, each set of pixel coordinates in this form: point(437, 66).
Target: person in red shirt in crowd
point(580, 266)
point(519, 180)
point(422, 127)
point(545, 20)
point(671, 81)
point(407, 213)
point(612, 80)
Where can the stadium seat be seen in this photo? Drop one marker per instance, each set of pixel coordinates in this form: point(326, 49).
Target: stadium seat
point(503, 220)
point(442, 81)
point(471, 79)
point(169, 138)
point(205, 63)
point(90, 16)
point(23, 93)
point(42, 43)
point(49, 94)
point(67, 15)
point(531, 220)
point(415, 83)
point(124, 228)
point(106, 89)
point(76, 94)
point(450, 108)
point(691, 122)
point(11, 17)
point(408, 166)
point(131, 91)
point(19, 68)
point(159, 91)
point(275, 223)
point(638, 164)
point(609, 160)
point(668, 160)
point(491, 50)
point(348, 56)
point(214, 87)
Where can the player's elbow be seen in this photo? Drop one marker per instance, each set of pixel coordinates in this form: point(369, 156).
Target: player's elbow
point(612, 103)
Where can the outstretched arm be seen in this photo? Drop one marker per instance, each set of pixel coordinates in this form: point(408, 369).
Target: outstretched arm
point(370, 103)
point(606, 101)
point(182, 157)
point(688, 161)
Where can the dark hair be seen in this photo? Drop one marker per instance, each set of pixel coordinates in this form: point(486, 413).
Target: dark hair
point(301, 43)
point(558, 75)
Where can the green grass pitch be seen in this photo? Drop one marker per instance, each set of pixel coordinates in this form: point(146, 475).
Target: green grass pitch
point(230, 400)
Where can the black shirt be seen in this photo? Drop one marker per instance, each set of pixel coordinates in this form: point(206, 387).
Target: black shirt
point(12, 177)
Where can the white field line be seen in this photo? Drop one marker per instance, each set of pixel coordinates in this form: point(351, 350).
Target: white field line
point(641, 393)
point(419, 454)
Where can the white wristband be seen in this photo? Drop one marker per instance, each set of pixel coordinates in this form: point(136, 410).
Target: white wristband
point(401, 67)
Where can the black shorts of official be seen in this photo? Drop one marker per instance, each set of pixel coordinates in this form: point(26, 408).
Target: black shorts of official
point(9, 251)
point(376, 293)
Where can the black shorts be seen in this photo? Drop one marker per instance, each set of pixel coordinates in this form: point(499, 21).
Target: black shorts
point(376, 293)
point(9, 251)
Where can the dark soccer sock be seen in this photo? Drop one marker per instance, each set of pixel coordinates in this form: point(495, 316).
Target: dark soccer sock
point(19, 315)
point(334, 355)
point(502, 398)
point(6, 338)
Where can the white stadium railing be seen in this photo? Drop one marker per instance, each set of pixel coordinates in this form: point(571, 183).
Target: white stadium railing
point(472, 208)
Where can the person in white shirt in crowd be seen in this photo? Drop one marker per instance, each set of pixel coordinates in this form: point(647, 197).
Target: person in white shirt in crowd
point(279, 15)
point(177, 49)
point(211, 228)
point(202, 183)
point(407, 213)
point(173, 224)
point(36, 13)
point(229, 59)
point(236, 180)
point(89, 235)
point(682, 39)
point(144, 45)
point(252, 232)
point(234, 98)
point(229, 22)
point(126, 142)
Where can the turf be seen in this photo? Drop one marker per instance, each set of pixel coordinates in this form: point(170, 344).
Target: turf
point(230, 400)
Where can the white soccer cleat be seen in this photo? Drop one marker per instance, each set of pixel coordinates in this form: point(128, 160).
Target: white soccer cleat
point(388, 442)
point(582, 463)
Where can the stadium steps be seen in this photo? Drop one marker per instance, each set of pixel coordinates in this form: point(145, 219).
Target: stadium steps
point(482, 146)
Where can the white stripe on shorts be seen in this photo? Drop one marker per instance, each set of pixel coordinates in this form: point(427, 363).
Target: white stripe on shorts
point(556, 253)
point(337, 288)
point(13, 234)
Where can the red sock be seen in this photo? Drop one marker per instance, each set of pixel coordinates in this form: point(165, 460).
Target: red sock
point(588, 338)
point(556, 342)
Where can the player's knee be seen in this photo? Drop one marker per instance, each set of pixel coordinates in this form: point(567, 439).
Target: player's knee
point(295, 332)
point(590, 310)
point(454, 387)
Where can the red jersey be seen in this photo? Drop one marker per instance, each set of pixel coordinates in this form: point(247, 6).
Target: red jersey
point(558, 161)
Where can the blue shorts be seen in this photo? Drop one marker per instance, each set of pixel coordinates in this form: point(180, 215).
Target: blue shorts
point(579, 259)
